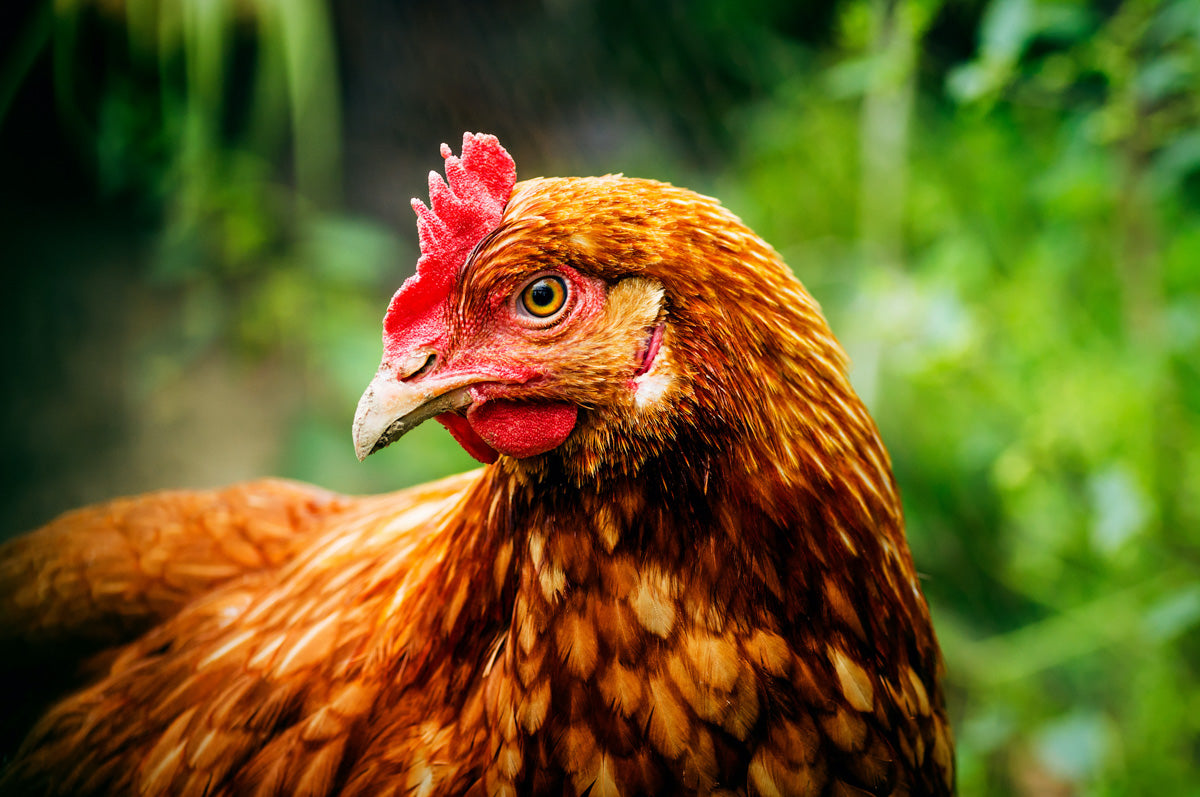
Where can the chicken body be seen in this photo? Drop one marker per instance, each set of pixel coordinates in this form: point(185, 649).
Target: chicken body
point(702, 587)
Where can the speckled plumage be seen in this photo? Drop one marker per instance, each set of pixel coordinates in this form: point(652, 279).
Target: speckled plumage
point(704, 590)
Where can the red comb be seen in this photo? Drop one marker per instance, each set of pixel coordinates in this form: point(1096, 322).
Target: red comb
point(462, 213)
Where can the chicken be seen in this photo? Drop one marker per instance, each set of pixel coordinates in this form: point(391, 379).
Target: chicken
point(682, 570)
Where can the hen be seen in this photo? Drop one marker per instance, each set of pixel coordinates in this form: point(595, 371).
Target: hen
point(683, 570)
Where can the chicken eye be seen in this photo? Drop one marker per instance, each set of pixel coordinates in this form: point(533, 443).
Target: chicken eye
point(544, 297)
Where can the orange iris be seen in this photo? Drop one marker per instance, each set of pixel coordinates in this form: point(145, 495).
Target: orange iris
point(544, 297)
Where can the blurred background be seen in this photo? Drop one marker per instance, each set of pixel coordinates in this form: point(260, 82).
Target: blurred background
point(204, 210)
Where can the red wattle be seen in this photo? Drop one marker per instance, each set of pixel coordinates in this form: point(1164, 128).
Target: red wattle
point(520, 428)
point(472, 443)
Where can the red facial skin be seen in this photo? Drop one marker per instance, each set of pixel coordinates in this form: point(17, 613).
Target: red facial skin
point(512, 411)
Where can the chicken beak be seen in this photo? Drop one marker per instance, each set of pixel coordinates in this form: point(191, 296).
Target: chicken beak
point(390, 408)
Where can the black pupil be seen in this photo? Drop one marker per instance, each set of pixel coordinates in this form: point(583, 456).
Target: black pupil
point(542, 294)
